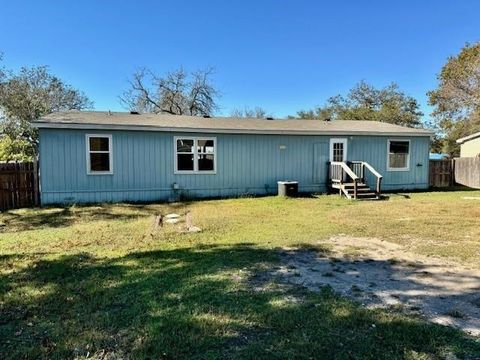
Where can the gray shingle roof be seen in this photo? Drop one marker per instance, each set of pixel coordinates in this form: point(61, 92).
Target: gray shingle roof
point(181, 123)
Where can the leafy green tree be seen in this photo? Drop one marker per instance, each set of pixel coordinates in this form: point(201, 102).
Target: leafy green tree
point(29, 94)
point(15, 149)
point(365, 102)
point(456, 100)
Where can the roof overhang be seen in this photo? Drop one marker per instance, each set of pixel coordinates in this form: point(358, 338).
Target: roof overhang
point(103, 127)
point(469, 137)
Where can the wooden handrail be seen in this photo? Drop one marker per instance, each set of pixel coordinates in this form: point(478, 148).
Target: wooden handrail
point(345, 168)
point(358, 168)
point(372, 170)
point(349, 172)
point(377, 175)
point(336, 175)
point(374, 173)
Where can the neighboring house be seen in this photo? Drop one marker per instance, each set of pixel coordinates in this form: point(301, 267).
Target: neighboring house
point(470, 145)
point(109, 157)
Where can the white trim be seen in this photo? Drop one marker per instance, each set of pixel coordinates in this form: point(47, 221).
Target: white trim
point(109, 127)
point(469, 137)
point(195, 156)
point(344, 141)
point(407, 168)
point(109, 152)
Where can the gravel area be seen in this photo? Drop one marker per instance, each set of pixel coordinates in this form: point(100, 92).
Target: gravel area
point(382, 274)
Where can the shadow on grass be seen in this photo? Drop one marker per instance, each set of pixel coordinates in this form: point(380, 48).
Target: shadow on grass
point(195, 302)
point(453, 188)
point(65, 216)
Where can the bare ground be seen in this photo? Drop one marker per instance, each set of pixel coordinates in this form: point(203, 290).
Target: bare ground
point(382, 274)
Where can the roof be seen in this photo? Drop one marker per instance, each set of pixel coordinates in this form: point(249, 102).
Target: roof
point(104, 120)
point(469, 137)
point(434, 156)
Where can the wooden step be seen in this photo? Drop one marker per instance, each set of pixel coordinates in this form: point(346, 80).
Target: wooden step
point(363, 196)
point(356, 186)
point(352, 184)
point(348, 186)
point(367, 195)
point(363, 191)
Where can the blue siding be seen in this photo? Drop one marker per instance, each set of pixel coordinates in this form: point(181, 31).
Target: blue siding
point(143, 165)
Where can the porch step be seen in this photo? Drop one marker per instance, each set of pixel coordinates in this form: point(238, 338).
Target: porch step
point(359, 187)
point(363, 191)
point(339, 172)
point(363, 196)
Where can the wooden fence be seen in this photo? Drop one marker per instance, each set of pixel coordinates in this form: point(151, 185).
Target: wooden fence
point(467, 171)
point(441, 173)
point(463, 171)
point(18, 185)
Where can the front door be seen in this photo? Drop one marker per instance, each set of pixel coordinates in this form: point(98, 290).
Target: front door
point(338, 153)
point(338, 150)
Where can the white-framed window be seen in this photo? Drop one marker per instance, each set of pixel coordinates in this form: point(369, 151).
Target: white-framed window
point(398, 155)
point(99, 154)
point(195, 155)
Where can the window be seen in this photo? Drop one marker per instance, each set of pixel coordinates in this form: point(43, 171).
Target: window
point(195, 155)
point(398, 155)
point(99, 154)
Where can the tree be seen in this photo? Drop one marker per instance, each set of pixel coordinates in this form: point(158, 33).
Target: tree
point(456, 100)
point(15, 149)
point(257, 112)
point(30, 94)
point(176, 93)
point(365, 102)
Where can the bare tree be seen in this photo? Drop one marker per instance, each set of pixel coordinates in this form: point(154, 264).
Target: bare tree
point(176, 93)
point(257, 112)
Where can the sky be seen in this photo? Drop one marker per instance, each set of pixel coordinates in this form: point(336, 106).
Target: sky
point(282, 55)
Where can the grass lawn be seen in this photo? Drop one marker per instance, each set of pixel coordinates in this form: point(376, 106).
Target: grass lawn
point(94, 281)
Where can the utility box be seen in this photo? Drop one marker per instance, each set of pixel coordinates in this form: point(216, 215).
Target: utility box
point(287, 188)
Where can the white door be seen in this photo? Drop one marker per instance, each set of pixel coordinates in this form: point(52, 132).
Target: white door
point(338, 149)
point(338, 153)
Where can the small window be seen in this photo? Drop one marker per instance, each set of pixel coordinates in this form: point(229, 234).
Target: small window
point(398, 155)
point(99, 154)
point(195, 155)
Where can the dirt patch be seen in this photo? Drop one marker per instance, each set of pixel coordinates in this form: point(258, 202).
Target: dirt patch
point(382, 274)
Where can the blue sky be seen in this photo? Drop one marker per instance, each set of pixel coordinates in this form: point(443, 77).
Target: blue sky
point(283, 55)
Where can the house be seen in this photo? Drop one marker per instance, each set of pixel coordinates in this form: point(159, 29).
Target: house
point(109, 157)
point(470, 145)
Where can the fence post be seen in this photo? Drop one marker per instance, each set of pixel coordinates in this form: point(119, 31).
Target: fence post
point(36, 186)
point(16, 184)
point(452, 172)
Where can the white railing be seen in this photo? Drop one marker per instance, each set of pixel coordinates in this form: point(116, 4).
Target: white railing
point(340, 171)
